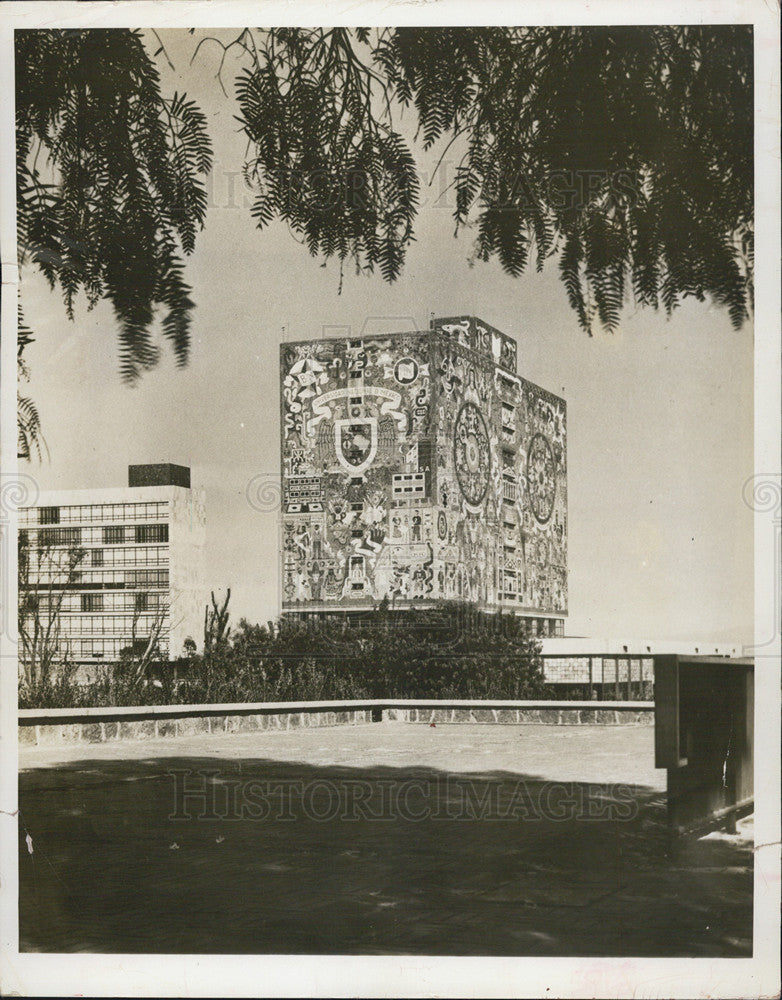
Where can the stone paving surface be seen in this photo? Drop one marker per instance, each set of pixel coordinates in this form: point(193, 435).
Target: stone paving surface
point(382, 838)
point(572, 753)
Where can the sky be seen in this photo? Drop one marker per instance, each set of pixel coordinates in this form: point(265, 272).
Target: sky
point(660, 413)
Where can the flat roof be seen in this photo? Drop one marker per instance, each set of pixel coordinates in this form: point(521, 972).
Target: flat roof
point(586, 646)
point(98, 494)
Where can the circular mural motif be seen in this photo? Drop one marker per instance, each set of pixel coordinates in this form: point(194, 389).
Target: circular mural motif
point(442, 526)
point(541, 480)
point(406, 371)
point(471, 454)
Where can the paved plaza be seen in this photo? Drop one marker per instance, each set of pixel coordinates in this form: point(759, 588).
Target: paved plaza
point(372, 839)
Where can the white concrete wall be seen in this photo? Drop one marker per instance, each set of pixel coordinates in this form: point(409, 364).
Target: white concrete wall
point(187, 569)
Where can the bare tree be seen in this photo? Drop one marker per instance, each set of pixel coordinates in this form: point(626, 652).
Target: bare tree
point(146, 648)
point(46, 574)
point(216, 628)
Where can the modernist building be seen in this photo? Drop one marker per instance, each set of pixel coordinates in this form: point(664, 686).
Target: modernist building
point(614, 669)
point(420, 467)
point(140, 557)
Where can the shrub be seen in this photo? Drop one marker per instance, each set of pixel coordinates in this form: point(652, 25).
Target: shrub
point(455, 651)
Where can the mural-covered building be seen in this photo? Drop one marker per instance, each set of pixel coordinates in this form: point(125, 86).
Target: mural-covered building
point(419, 467)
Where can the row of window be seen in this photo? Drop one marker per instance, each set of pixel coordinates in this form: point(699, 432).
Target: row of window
point(48, 537)
point(627, 670)
point(74, 603)
point(120, 562)
point(92, 581)
point(575, 669)
point(106, 649)
point(141, 534)
point(109, 534)
point(138, 601)
point(107, 624)
point(553, 627)
point(140, 556)
point(85, 513)
point(104, 558)
point(146, 578)
point(112, 560)
point(38, 564)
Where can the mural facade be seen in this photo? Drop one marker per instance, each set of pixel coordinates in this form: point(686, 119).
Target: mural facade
point(420, 467)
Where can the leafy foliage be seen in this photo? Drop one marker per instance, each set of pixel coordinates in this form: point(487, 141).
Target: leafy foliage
point(28, 422)
point(454, 652)
point(109, 181)
point(625, 151)
point(324, 161)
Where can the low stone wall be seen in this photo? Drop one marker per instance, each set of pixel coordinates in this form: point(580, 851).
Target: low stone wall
point(629, 713)
point(48, 727)
point(195, 720)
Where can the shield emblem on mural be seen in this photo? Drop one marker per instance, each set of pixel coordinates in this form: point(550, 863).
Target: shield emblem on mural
point(356, 442)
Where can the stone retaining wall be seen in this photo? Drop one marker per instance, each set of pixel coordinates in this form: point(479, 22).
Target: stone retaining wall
point(104, 731)
point(526, 716)
point(47, 727)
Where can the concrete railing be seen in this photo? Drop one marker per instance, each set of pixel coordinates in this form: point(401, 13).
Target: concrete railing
point(53, 726)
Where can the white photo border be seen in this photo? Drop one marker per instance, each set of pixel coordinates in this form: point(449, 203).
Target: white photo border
point(401, 976)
